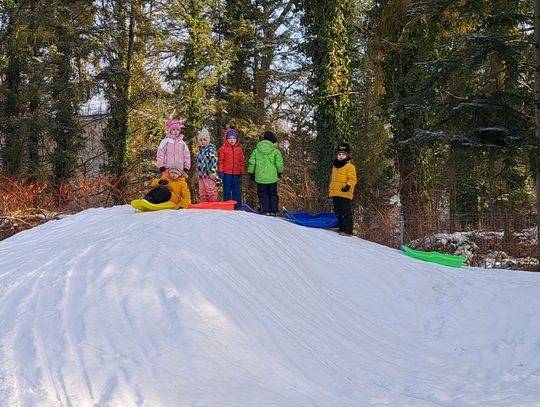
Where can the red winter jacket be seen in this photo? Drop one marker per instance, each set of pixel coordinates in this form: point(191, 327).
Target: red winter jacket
point(231, 158)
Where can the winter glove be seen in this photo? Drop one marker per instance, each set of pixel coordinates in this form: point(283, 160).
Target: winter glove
point(279, 174)
point(162, 169)
point(346, 188)
point(252, 179)
point(221, 175)
point(329, 201)
point(163, 182)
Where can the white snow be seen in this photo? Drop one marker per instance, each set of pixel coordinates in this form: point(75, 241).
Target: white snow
point(207, 308)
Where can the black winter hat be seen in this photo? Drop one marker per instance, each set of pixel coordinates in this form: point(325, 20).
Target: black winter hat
point(343, 148)
point(268, 135)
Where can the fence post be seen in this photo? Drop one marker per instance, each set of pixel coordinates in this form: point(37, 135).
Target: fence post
point(401, 230)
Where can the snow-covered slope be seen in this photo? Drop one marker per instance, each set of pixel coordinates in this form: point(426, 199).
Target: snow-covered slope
point(205, 308)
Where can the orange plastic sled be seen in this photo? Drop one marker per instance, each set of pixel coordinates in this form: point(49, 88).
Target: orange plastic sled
point(224, 206)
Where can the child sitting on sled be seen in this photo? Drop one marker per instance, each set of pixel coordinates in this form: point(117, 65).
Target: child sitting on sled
point(341, 188)
point(170, 187)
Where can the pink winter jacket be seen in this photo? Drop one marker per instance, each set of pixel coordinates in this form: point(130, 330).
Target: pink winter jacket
point(172, 150)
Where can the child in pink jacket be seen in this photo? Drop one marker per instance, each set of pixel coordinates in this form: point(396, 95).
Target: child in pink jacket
point(173, 148)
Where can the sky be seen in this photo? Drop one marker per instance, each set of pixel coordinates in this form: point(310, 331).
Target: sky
point(110, 307)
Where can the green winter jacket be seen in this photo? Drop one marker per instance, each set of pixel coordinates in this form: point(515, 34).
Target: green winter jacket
point(266, 162)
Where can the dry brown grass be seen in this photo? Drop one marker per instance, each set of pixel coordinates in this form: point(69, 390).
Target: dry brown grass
point(300, 194)
point(27, 203)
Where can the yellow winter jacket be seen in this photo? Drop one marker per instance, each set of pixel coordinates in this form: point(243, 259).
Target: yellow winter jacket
point(345, 175)
point(179, 189)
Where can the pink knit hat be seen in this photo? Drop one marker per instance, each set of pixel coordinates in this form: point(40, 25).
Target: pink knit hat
point(174, 124)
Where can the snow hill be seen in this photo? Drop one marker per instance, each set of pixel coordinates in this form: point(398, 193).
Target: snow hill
point(208, 308)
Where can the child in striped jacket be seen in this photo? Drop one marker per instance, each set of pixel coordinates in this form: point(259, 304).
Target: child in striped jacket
point(207, 166)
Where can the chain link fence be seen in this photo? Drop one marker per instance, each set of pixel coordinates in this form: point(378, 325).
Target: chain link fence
point(489, 241)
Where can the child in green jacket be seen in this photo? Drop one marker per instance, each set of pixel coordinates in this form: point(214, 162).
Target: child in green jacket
point(265, 166)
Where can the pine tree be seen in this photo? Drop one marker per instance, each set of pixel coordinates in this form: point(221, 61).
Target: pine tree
point(68, 21)
point(396, 44)
point(239, 36)
point(14, 28)
point(43, 41)
point(328, 31)
point(201, 63)
point(119, 19)
point(472, 87)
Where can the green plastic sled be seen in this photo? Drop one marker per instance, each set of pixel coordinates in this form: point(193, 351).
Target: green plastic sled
point(435, 257)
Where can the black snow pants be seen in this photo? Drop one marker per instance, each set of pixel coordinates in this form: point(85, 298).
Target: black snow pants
point(268, 197)
point(158, 195)
point(343, 211)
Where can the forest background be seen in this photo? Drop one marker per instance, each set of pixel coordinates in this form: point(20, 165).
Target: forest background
point(439, 99)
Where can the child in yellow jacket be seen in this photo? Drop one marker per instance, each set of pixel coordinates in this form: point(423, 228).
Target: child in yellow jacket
point(171, 187)
point(341, 187)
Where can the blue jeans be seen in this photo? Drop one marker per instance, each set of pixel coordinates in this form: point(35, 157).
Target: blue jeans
point(231, 189)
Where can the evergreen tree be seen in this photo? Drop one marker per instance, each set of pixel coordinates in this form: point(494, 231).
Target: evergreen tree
point(200, 63)
point(69, 21)
point(254, 33)
point(328, 31)
point(473, 97)
point(149, 101)
point(396, 44)
point(118, 27)
point(11, 88)
point(42, 43)
point(239, 36)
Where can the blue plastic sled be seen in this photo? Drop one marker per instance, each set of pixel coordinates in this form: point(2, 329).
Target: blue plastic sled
point(317, 220)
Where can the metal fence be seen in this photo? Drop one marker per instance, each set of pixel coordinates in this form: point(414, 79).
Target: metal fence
point(490, 241)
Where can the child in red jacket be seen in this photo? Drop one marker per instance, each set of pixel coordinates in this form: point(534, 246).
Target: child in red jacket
point(231, 166)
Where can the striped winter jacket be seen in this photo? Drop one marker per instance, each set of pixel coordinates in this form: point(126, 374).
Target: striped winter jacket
point(207, 161)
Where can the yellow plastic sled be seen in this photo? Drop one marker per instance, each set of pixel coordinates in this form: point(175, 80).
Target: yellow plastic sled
point(144, 206)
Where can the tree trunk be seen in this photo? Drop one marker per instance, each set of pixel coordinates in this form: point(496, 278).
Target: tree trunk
point(12, 149)
point(65, 130)
point(261, 85)
point(118, 90)
point(329, 31)
point(262, 67)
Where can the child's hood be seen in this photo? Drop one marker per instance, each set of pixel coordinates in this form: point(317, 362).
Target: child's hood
point(228, 131)
point(265, 147)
